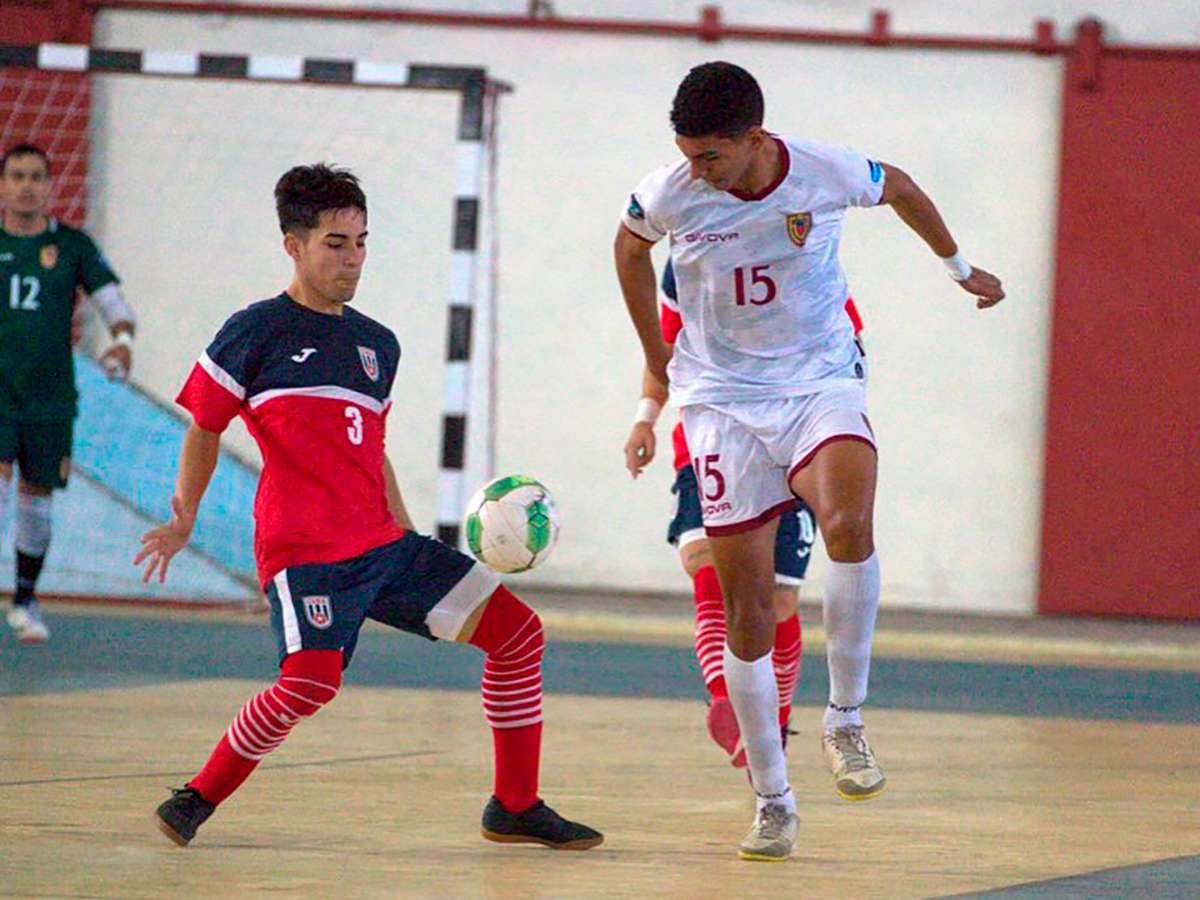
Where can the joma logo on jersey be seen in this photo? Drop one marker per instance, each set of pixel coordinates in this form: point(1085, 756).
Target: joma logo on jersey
point(318, 611)
point(370, 362)
point(714, 508)
point(711, 237)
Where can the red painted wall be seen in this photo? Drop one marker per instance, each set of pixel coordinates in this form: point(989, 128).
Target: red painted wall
point(1121, 526)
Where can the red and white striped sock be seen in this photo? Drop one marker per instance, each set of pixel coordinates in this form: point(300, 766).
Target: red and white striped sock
point(785, 658)
point(710, 630)
point(307, 681)
point(510, 633)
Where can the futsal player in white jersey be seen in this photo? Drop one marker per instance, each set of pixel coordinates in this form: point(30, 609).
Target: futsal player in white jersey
point(771, 387)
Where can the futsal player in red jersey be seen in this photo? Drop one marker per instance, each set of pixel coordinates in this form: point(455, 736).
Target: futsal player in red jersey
point(334, 545)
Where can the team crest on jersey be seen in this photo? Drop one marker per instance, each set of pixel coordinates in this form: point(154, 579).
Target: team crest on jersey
point(370, 362)
point(798, 226)
point(318, 611)
point(49, 256)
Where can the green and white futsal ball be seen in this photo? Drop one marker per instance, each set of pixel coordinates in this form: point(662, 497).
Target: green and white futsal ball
point(512, 524)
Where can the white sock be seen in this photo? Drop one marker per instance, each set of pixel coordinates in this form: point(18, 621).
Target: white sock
point(851, 603)
point(5, 491)
point(755, 699)
point(33, 523)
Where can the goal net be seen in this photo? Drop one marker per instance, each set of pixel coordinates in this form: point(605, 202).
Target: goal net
point(169, 161)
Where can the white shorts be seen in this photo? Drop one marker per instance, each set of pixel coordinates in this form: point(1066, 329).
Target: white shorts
point(746, 453)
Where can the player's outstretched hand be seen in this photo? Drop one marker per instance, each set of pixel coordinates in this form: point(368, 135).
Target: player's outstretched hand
point(985, 286)
point(160, 544)
point(116, 361)
point(639, 449)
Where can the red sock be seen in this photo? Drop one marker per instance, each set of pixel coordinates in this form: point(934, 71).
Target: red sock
point(307, 681)
point(785, 658)
point(510, 633)
point(710, 630)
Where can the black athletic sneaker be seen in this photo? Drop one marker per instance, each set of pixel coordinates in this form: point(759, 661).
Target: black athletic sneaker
point(179, 817)
point(537, 825)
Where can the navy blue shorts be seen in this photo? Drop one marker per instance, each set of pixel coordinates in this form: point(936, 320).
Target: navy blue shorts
point(416, 584)
point(793, 541)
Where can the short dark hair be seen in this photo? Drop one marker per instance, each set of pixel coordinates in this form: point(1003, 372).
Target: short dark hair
point(304, 192)
point(717, 98)
point(24, 150)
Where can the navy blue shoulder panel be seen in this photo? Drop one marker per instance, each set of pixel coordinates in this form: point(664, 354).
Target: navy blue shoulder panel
point(668, 282)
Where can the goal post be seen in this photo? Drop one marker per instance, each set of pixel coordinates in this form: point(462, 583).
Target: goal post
point(172, 157)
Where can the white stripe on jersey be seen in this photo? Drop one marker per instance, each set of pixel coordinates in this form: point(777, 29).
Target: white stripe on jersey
point(220, 376)
point(327, 391)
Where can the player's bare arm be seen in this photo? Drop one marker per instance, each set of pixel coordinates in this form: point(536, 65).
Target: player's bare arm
point(635, 271)
point(197, 460)
point(918, 212)
point(395, 500)
point(642, 443)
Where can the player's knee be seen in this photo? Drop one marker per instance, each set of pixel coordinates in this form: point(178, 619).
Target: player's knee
point(6, 472)
point(309, 679)
point(749, 612)
point(509, 629)
point(848, 536)
point(695, 555)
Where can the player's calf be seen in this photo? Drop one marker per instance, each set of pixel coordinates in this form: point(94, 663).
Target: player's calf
point(510, 633)
point(307, 681)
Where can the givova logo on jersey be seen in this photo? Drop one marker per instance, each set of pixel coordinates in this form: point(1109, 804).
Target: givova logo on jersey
point(370, 362)
point(319, 611)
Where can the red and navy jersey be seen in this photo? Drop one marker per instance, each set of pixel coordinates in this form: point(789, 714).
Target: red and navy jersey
point(672, 323)
point(314, 391)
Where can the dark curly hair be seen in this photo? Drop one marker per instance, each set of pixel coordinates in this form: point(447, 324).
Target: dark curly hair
point(717, 98)
point(304, 192)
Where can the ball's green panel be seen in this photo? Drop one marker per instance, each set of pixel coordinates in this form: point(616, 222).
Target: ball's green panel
point(540, 529)
point(475, 535)
point(502, 486)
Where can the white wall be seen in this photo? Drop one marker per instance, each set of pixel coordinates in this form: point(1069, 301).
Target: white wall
point(957, 395)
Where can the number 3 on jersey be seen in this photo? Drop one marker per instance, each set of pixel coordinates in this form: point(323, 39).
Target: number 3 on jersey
point(354, 430)
point(748, 289)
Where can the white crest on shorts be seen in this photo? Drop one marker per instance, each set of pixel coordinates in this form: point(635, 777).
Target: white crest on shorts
point(318, 611)
point(370, 362)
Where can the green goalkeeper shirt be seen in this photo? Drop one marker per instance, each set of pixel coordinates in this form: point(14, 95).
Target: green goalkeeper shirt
point(39, 276)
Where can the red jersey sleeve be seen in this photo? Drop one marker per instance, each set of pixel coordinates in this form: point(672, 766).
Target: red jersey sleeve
point(216, 388)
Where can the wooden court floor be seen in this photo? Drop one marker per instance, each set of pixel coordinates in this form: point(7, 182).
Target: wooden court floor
point(380, 794)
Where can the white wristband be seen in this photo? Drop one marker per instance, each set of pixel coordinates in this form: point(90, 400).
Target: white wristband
point(648, 410)
point(960, 269)
point(123, 338)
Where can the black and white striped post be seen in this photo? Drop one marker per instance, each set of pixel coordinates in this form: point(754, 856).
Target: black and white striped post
point(473, 87)
point(460, 309)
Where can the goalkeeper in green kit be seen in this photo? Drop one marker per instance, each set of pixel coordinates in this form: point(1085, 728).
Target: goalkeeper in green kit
point(43, 265)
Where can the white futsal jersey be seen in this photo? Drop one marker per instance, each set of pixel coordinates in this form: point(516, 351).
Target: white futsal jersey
point(761, 292)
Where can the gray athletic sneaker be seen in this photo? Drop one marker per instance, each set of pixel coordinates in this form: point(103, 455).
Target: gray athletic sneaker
point(773, 835)
point(856, 773)
point(28, 623)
